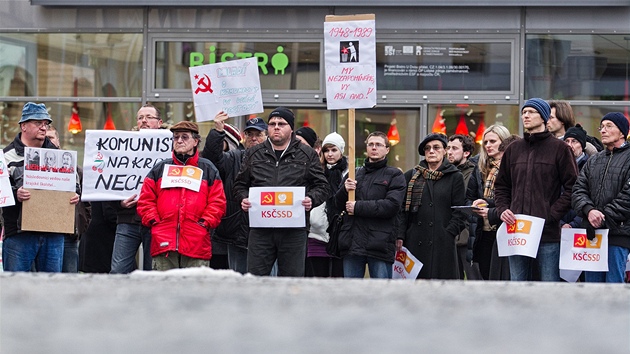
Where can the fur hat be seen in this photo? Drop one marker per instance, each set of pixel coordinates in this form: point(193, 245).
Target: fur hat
point(577, 133)
point(336, 140)
point(285, 113)
point(308, 134)
point(185, 126)
point(620, 121)
point(232, 136)
point(539, 105)
point(34, 111)
point(433, 136)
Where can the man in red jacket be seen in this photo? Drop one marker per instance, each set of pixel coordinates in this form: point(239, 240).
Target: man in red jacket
point(181, 200)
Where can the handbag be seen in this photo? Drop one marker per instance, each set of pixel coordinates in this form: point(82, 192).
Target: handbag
point(332, 247)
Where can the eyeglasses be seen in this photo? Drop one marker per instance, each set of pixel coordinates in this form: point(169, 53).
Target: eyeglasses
point(147, 117)
point(278, 124)
point(184, 137)
point(254, 134)
point(529, 111)
point(606, 127)
point(375, 145)
point(434, 147)
point(40, 123)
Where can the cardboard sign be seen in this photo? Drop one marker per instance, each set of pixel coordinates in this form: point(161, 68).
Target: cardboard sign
point(232, 86)
point(188, 177)
point(49, 211)
point(577, 252)
point(522, 238)
point(116, 162)
point(277, 207)
point(350, 59)
point(406, 266)
point(50, 169)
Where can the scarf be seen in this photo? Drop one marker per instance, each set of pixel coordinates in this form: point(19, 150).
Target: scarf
point(488, 187)
point(416, 186)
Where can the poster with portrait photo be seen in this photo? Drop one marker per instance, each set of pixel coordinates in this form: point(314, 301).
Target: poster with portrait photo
point(50, 169)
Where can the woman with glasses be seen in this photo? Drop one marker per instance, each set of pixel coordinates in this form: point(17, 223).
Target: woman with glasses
point(428, 225)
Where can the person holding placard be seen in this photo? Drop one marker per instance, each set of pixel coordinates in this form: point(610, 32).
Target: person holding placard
point(601, 195)
point(281, 160)
point(182, 199)
point(21, 249)
point(535, 178)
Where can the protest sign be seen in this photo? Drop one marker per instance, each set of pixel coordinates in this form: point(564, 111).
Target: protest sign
point(6, 192)
point(577, 252)
point(522, 238)
point(232, 87)
point(277, 207)
point(37, 215)
point(406, 266)
point(188, 177)
point(350, 60)
point(50, 169)
point(116, 162)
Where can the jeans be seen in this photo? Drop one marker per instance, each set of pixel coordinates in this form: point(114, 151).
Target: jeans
point(617, 257)
point(128, 239)
point(70, 254)
point(237, 258)
point(548, 259)
point(45, 249)
point(286, 245)
point(354, 267)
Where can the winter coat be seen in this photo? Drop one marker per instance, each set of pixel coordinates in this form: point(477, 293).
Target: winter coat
point(180, 219)
point(298, 166)
point(234, 226)
point(474, 192)
point(371, 230)
point(429, 234)
point(604, 184)
point(531, 177)
point(466, 169)
point(571, 217)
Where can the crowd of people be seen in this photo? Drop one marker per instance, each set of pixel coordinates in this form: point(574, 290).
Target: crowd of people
point(556, 171)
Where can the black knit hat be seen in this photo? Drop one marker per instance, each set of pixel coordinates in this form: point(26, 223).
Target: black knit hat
point(577, 133)
point(308, 134)
point(433, 136)
point(285, 113)
point(620, 121)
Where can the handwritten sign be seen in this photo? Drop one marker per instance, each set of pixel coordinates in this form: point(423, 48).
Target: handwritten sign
point(350, 53)
point(522, 238)
point(50, 169)
point(277, 207)
point(116, 162)
point(232, 87)
point(6, 192)
point(188, 177)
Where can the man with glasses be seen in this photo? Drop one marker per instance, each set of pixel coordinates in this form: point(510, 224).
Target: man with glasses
point(535, 178)
point(21, 249)
point(281, 160)
point(129, 231)
point(234, 227)
point(602, 196)
point(182, 214)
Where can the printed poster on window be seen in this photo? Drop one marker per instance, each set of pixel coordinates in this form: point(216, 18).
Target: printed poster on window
point(577, 252)
point(350, 60)
point(522, 238)
point(50, 169)
point(277, 207)
point(6, 192)
point(188, 177)
point(232, 86)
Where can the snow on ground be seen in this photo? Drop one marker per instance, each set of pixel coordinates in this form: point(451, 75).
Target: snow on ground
point(208, 311)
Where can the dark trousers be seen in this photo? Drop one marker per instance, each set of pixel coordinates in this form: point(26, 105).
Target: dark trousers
point(288, 246)
point(326, 267)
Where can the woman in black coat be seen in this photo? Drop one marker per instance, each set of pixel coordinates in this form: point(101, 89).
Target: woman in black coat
point(429, 225)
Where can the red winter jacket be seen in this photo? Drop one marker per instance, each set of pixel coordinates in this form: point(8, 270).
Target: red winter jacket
point(181, 219)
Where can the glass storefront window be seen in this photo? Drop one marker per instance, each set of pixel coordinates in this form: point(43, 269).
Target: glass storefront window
point(444, 66)
point(71, 64)
point(577, 67)
point(590, 116)
point(282, 65)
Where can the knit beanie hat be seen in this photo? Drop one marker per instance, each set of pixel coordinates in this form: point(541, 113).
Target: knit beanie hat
point(577, 133)
point(539, 105)
point(336, 140)
point(308, 134)
point(620, 121)
point(433, 136)
point(285, 113)
point(232, 136)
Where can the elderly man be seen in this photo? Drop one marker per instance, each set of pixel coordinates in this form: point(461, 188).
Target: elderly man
point(23, 248)
point(180, 216)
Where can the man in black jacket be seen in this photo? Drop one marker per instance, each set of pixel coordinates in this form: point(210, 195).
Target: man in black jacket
point(234, 227)
point(601, 195)
point(281, 160)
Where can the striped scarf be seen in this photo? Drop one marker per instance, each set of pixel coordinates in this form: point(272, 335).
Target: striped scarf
point(416, 186)
point(488, 187)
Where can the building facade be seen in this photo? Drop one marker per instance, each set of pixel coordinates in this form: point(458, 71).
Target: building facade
point(454, 66)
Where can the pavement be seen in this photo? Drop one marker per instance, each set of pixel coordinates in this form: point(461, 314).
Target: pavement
point(208, 311)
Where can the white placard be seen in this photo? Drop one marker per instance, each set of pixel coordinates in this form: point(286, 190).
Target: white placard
point(50, 169)
point(6, 192)
point(522, 238)
point(277, 207)
point(577, 252)
point(232, 87)
point(406, 266)
point(116, 162)
point(188, 177)
point(350, 59)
